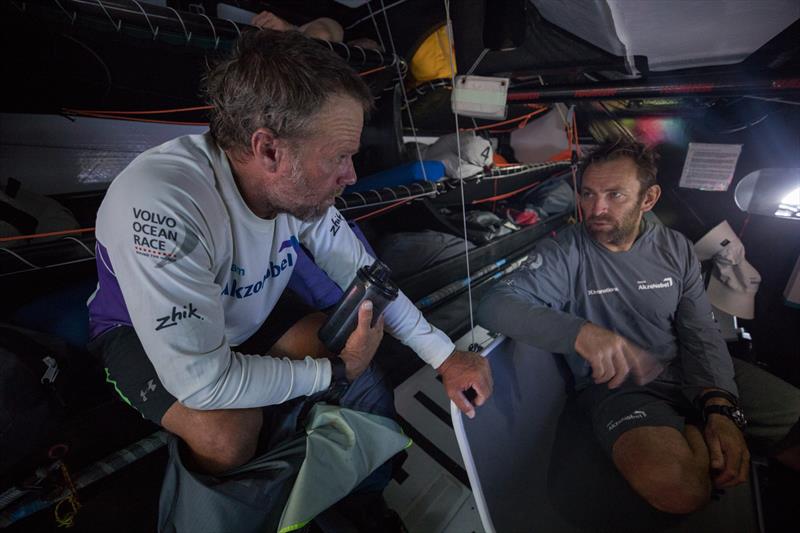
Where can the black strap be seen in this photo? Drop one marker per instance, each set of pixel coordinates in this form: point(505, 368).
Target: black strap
point(701, 400)
point(339, 382)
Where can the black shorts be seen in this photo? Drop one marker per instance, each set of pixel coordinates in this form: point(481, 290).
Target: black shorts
point(134, 378)
point(613, 412)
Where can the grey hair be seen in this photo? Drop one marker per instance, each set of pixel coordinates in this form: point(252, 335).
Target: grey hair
point(279, 81)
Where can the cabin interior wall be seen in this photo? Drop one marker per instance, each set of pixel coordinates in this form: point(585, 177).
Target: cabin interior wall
point(772, 245)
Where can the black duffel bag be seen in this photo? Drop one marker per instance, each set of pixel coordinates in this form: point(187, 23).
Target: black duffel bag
point(37, 387)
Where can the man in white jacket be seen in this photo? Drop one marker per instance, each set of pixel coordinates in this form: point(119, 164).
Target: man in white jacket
point(197, 239)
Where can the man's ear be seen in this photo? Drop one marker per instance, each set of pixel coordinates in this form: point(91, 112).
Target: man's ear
point(263, 144)
point(651, 196)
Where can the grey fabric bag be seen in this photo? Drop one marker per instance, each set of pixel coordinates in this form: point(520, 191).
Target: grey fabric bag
point(285, 488)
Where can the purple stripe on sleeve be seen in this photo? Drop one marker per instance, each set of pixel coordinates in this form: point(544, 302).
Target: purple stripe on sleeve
point(107, 309)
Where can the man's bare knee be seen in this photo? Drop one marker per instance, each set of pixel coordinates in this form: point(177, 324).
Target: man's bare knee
point(662, 468)
point(217, 440)
point(301, 339)
point(676, 488)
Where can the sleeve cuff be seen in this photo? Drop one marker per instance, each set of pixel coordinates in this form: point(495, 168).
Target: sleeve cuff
point(312, 375)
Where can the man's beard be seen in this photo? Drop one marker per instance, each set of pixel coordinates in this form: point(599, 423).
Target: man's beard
point(305, 212)
point(618, 232)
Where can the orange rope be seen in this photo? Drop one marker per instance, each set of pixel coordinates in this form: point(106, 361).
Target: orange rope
point(575, 134)
point(134, 119)
point(147, 112)
point(525, 117)
point(382, 209)
point(505, 195)
point(370, 71)
point(42, 235)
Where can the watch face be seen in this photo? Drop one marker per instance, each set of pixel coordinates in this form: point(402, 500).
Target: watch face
point(737, 415)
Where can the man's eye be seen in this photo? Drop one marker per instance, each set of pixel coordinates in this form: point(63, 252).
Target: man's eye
point(586, 194)
point(617, 195)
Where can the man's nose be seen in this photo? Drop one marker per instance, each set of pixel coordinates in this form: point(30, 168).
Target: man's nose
point(597, 207)
point(348, 175)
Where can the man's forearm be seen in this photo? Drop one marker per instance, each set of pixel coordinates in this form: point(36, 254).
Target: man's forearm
point(524, 320)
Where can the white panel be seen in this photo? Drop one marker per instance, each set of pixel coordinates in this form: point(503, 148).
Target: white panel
point(673, 33)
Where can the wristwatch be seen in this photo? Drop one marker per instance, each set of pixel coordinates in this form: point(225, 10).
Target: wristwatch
point(339, 382)
point(732, 412)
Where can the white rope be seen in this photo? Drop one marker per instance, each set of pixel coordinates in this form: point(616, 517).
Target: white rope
point(213, 30)
point(477, 61)
point(236, 27)
point(375, 23)
point(147, 18)
point(451, 47)
point(63, 263)
point(117, 26)
point(403, 90)
point(186, 33)
point(20, 258)
point(362, 19)
point(80, 243)
point(70, 17)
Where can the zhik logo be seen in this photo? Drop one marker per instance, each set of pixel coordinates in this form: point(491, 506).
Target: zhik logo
point(172, 319)
point(336, 223)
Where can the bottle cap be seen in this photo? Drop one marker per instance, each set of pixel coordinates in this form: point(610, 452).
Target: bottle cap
point(379, 275)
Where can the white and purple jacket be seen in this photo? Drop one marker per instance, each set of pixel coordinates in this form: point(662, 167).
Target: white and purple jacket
point(183, 260)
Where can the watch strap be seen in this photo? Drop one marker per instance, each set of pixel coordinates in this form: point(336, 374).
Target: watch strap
point(339, 382)
point(701, 400)
point(338, 369)
point(734, 413)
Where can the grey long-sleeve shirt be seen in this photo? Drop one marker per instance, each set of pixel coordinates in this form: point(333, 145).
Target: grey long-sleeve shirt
point(652, 294)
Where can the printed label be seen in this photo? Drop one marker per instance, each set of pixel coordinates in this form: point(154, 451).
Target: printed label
point(177, 314)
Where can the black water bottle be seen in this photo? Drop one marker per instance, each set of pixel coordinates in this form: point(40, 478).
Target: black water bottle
point(371, 283)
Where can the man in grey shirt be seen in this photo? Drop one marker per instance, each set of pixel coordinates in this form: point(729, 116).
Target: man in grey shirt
point(623, 298)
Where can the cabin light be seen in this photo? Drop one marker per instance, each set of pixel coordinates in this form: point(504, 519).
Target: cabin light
point(789, 206)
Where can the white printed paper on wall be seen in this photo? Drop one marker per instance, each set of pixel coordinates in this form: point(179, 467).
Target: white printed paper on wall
point(710, 167)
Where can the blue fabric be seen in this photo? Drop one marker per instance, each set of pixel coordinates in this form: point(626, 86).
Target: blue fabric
point(400, 175)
